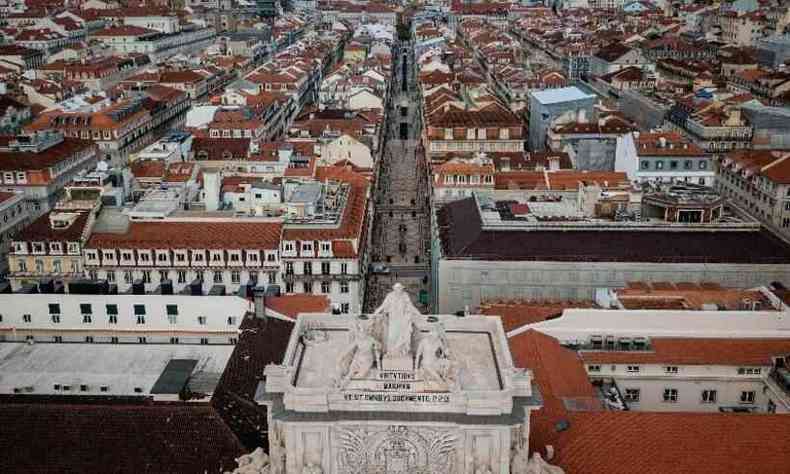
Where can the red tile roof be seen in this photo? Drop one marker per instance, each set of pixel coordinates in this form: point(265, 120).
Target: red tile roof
point(516, 314)
point(22, 161)
point(698, 351)
point(193, 235)
point(293, 305)
point(622, 442)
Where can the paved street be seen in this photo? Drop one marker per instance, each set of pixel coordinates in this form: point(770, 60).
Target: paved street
point(400, 233)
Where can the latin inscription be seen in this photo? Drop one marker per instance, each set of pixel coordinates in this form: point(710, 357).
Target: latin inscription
point(397, 397)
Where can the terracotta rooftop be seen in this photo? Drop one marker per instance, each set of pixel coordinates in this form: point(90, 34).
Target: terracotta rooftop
point(648, 442)
point(28, 161)
point(293, 305)
point(40, 230)
point(697, 351)
point(192, 235)
point(515, 314)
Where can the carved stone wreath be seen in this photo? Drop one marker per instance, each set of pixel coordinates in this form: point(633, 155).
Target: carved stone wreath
point(394, 450)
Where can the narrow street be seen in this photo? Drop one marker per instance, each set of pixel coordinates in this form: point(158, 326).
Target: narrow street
point(401, 223)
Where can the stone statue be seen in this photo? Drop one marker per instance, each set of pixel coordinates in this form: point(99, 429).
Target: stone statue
point(312, 468)
point(433, 360)
point(357, 360)
point(276, 450)
point(400, 313)
point(257, 462)
point(537, 465)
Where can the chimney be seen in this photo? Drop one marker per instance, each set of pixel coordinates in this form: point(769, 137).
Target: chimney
point(663, 142)
point(259, 301)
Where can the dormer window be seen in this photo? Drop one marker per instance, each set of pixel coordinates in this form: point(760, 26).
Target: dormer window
point(326, 247)
point(144, 257)
point(38, 247)
point(55, 247)
point(288, 246)
point(109, 254)
point(126, 255)
point(20, 247)
point(448, 133)
point(307, 246)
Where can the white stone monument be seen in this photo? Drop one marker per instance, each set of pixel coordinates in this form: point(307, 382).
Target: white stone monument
point(397, 392)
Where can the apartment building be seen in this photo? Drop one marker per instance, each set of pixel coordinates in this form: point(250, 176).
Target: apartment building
point(15, 216)
point(758, 181)
point(493, 129)
point(663, 158)
point(217, 256)
point(41, 164)
point(123, 127)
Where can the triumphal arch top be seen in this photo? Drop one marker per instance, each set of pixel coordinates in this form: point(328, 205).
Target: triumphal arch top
point(397, 392)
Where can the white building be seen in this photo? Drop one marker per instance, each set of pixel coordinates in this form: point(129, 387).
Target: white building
point(663, 158)
point(122, 318)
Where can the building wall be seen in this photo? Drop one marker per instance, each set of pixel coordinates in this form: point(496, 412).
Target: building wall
point(465, 282)
point(541, 117)
point(157, 326)
point(690, 381)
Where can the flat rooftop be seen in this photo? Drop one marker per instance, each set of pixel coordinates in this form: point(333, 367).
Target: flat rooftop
point(563, 94)
point(463, 235)
point(475, 349)
point(125, 369)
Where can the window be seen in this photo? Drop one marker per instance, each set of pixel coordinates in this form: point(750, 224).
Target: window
point(289, 287)
point(631, 395)
point(89, 339)
point(632, 368)
point(128, 278)
point(114, 340)
point(673, 165)
point(308, 268)
point(345, 308)
point(54, 308)
point(139, 309)
point(670, 395)
point(87, 318)
point(204, 340)
point(55, 318)
point(344, 287)
point(703, 165)
point(272, 278)
point(172, 309)
point(113, 319)
point(709, 396)
point(671, 369)
point(235, 276)
point(343, 268)
point(173, 340)
point(593, 368)
point(27, 318)
point(217, 277)
point(142, 340)
point(57, 339)
point(164, 275)
point(232, 340)
point(749, 371)
point(289, 268)
point(231, 320)
point(140, 319)
point(146, 276)
point(182, 276)
point(659, 165)
point(110, 277)
point(747, 396)
point(112, 309)
point(201, 320)
point(325, 287)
